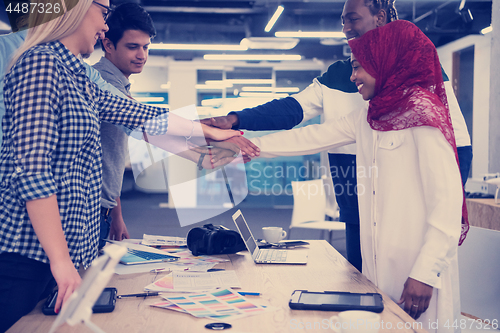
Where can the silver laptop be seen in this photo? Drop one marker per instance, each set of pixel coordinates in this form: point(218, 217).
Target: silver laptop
point(266, 256)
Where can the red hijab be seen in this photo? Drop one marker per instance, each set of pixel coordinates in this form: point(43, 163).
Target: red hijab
point(409, 87)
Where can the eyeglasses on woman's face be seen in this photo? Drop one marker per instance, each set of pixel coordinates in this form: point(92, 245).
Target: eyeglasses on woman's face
point(106, 13)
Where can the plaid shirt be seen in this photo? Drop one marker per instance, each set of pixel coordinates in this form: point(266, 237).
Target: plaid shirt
point(52, 146)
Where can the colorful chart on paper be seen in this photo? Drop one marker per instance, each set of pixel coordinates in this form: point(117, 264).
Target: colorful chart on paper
point(220, 304)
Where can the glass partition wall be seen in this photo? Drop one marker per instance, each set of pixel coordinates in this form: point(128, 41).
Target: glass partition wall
point(220, 89)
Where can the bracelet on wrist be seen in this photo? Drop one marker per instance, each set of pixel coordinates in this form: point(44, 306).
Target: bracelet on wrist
point(200, 161)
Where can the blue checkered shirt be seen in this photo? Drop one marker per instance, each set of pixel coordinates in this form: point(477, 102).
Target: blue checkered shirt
point(52, 146)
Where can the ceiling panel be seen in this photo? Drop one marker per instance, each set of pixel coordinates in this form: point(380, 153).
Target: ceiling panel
point(229, 21)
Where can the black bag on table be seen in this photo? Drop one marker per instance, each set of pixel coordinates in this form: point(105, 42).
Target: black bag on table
point(214, 239)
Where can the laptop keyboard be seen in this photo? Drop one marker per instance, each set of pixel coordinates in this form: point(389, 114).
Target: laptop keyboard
point(272, 255)
point(151, 256)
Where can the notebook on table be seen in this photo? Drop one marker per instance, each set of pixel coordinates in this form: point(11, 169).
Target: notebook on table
point(266, 256)
point(140, 254)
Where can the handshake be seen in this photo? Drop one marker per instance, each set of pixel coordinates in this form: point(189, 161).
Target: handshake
point(220, 153)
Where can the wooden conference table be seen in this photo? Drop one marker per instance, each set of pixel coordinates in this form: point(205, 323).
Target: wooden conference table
point(326, 270)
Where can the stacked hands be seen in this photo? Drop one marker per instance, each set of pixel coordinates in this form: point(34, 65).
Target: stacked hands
point(223, 144)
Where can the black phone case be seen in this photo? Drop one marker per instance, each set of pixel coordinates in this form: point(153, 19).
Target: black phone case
point(378, 307)
point(97, 308)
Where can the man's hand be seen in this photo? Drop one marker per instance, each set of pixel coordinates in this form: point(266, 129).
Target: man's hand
point(224, 122)
point(118, 230)
point(416, 296)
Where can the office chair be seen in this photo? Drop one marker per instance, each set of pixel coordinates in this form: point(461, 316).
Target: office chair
point(309, 207)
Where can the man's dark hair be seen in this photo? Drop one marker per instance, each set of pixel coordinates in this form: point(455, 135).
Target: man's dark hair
point(386, 5)
point(128, 16)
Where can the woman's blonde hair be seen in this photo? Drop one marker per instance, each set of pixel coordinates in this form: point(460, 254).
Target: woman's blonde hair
point(49, 26)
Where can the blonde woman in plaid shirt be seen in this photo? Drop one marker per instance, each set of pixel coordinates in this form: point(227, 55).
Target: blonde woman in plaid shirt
point(50, 163)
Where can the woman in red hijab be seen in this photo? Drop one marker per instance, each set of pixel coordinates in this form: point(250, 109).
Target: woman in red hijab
point(409, 186)
point(397, 68)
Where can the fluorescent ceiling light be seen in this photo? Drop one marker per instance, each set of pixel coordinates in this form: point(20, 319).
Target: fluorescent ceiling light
point(310, 34)
point(269, 43)
point(213, 86)
point(486, 30)
point(252, 94)
point(274, 18)
point(333, 41)
point(462, 5)
point(271, 89)
point(149, 99)
point(198, 47)
point(253, 57)
point(230, 82)
point(222, 83)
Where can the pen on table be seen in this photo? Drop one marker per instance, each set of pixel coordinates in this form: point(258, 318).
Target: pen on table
point(247, 293)
point(156, 270)
point(139, 295)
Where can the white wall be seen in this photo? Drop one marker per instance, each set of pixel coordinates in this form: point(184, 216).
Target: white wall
point(481, 100)
point(494, 162)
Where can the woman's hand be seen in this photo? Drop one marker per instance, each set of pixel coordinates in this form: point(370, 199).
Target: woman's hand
point(218, 154)
point(218, 134)
point(45, 219)
point(416, 296)
point(67, 279)
point(247, 147)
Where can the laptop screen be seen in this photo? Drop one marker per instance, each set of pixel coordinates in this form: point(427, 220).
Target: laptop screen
point(245, 232)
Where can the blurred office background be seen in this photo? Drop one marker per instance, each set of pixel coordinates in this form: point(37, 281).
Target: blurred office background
point(227, 55)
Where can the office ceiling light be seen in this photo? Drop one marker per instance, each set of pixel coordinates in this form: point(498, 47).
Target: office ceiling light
point(230, 82)
point(274, 18)
point(271, 89)
point(486, 30)
point(214, 85)
point(333, 41)
point(310, 34)
point(198, 47)
point(221, 83)
point(250, 81)
point(259, 95)
point(269, 43)
point(462, 5)
point(253, 57)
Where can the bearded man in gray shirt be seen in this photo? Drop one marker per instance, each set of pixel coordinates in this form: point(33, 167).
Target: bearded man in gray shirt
point(125, 49)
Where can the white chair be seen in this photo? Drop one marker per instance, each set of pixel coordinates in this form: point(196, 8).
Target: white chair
point(479, 271)
point(309, 205)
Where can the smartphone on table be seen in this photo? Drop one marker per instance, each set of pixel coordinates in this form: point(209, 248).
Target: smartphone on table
point(335, 301)
point(105, 303)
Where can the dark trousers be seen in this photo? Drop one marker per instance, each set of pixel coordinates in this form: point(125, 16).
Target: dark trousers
point(23, 283)
point(104, 229)
point(343, 170)
point(464, 160)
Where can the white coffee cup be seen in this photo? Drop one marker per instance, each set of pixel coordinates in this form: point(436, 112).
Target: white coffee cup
point(273, 234)
point(355, 322)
